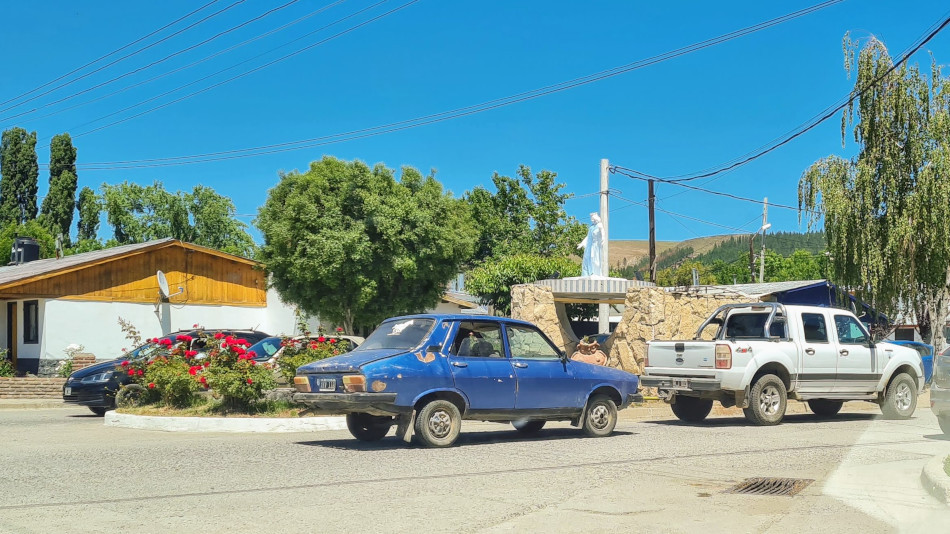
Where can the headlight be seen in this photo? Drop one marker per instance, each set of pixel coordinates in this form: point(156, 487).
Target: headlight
point(97, 378)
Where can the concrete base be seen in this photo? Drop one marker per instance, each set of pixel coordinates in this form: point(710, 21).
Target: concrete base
point(224, 424)
point(936, 480)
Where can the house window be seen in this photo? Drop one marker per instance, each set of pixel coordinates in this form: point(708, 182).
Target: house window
point(904, 334)
point(31, 321)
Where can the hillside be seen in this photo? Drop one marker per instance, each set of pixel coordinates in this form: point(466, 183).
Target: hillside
point(632, 252)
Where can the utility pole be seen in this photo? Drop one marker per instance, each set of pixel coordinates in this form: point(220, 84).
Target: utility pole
point(651, 209)
point(765, 226)
point(603, 322)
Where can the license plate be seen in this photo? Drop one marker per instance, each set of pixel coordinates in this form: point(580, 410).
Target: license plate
point(67, 391)
point(680, 383)
point(327, 384)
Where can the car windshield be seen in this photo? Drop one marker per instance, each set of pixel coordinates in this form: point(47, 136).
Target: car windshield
point(265, 348)
point(398, 334)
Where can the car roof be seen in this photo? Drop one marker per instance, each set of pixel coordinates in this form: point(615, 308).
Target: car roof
point(462, 317)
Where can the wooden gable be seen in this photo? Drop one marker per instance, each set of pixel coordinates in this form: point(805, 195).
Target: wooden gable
point(205, 276)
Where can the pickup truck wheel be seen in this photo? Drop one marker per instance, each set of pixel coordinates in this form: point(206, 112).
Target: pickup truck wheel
point(691, 409)
point(767, 401)
point(366, 427)
point(526, 426)
point(900, 401)
point(600, 418)
point(824, 407)
point(438, 424)
point(944, 424)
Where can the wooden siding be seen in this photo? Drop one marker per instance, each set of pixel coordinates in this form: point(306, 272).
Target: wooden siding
point(205, 279)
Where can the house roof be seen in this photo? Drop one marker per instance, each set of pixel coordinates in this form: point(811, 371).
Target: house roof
point(763, 289)
point(15, 274)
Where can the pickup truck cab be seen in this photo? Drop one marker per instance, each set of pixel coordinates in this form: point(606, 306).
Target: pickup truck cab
point(759, 355)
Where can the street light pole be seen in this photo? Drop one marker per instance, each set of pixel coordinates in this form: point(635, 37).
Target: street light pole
point(765, 226)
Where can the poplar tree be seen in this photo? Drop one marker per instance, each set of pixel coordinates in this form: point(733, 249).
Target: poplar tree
point(56, 212)
point(19, 172)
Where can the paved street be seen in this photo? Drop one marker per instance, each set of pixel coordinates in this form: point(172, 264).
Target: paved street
point(64, 471)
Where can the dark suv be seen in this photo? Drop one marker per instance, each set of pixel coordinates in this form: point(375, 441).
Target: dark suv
point(95, 386)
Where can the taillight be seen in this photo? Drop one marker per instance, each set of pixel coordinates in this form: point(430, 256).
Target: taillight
point(723, 357)
point(646, 358)
point(354, 383)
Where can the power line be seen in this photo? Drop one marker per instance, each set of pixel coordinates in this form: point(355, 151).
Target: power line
point(459, 112)
point(674, 214)
point(107, 65)
point(156, 62)
point(116, 51)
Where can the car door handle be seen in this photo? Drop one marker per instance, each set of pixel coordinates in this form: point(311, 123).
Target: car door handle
point(520, 365)
point(460, 364)
point(810, 351)
point(843, 352)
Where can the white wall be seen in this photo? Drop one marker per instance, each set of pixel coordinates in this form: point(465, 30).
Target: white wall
point(24, 350)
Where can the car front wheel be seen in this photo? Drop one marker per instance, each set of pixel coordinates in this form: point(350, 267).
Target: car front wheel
point(438, 424)
point(366, 427)
point(767, 401)
point(600, 417)
point(900, 400)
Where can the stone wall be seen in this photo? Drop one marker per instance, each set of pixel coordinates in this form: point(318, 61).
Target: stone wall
point(536, 304)
point(31, 388)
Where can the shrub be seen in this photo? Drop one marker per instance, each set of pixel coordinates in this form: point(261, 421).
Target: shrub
point(6, 365)
point(299, 352)
point(232, 373)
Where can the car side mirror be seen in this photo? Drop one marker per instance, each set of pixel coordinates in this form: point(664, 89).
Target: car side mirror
point(434, 348)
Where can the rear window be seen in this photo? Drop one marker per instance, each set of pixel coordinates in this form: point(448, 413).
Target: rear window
point(746, 325)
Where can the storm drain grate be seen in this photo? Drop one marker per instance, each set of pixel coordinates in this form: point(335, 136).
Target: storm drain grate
point(770, 486)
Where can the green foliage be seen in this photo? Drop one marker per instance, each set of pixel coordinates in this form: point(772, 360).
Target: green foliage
point(143, 213)
point(57, 209)
point(89, 207)
point(6, 364)
point(783, 243)
point(31, 228)
point(354, 246)
point(20, 172)
point(492, 281)
point(525, 215)
point(886, 211)
point(683, 275)
point(231, 373)
point(297, 352)
point(169, 377)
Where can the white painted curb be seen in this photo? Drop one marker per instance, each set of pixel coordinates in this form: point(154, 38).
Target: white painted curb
point(225, 424)
point(936, 480)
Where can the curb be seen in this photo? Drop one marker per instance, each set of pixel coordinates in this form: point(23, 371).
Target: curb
point(224, 424)
point(935, 479)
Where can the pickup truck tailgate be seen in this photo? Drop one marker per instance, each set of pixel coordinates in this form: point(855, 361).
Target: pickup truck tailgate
point(682, 354)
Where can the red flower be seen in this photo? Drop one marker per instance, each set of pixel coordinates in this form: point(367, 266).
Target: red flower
point(194, 370)
point(125, 363)
point(154, 340)
point(194, 325)
point(250, 381)
point(321, 339)
point(238, 350)
point(242, 341)
point(141, 372)
point(151, 385)
point(206, 365)
point(253, 362)
point(190, 353)
point(333, 340)
point(165, 342)
point(131, 372)
point(203, 380)
point(339, 329)
point(251, 354)
point(219, 335)
point(183, 337)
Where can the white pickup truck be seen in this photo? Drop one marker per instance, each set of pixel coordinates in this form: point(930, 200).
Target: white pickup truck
point(757, 356)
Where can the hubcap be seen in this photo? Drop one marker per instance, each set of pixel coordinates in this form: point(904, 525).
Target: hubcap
point(440, 424)
point(903, 397)
point(769, 400)
point(599, 416)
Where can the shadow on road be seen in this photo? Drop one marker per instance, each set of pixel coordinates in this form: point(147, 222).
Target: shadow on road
point(796, 419)
point(465, 439)
point(938, 437)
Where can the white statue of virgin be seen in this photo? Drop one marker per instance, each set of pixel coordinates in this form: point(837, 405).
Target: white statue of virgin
point(593, 246)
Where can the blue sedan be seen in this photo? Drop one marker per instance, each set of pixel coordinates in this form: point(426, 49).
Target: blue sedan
point(926, 356)
point(424, 374)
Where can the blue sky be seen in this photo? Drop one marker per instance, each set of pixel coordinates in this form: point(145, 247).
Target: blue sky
point(680, 116)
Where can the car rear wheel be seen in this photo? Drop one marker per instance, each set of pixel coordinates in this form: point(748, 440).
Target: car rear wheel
point(600, 417)
point(438, 424)
point(366, 427)
point(824, 407)
point(691, 409)
point(900, 401)
point(944, 424)
point(767, 401)
point(98, 410)
point(526, 426)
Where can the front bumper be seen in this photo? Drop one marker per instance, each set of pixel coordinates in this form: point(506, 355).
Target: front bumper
point(674, 383)
point(89, 396)
point(343, 403)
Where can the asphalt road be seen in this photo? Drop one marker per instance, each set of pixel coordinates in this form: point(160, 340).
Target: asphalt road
point(61, 470)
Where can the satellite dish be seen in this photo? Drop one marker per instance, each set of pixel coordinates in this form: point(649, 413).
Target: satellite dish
point(162, 284)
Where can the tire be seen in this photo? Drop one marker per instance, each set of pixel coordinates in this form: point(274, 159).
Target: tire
point(527, 426)
point(366, 427)
point(767, 401)
point(900, 400)
point(130, 396)
point(944, 424)
point(438, 424)
point(824, 407)
point(600, 416)
point(691, 409)
point(98, 410)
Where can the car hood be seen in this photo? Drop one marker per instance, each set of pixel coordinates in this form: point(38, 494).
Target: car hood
point(349, 362)
point(96, 369)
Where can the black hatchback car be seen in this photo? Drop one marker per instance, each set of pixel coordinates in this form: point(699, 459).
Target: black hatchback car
point(95, 386)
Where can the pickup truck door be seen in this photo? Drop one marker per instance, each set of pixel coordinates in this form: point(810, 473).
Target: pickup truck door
point(857, 372)
point(545, 382)
point(819, 361)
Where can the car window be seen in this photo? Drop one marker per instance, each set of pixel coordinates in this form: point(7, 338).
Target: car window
point(815, 329)
point(477, 338)
point(528, 343)
point(850, 331)
point(402, 334)
point(746, 325)
point(266, 347)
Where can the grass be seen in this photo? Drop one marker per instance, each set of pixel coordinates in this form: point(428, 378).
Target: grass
point(213, 408)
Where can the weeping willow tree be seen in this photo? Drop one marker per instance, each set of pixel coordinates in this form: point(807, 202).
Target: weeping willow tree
point(886, 211)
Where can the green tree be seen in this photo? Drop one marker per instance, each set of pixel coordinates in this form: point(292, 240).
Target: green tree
point(887, 210)
point(56, 212)
point(683, 275)
point(493, 280)
point(354, 245)
point(20, 172)
point(32, 229)
point(89, 207)
point(142, 213)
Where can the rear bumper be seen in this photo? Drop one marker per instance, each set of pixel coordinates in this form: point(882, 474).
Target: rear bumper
point(631, 399)
point(343, 403)
point(692, 384)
